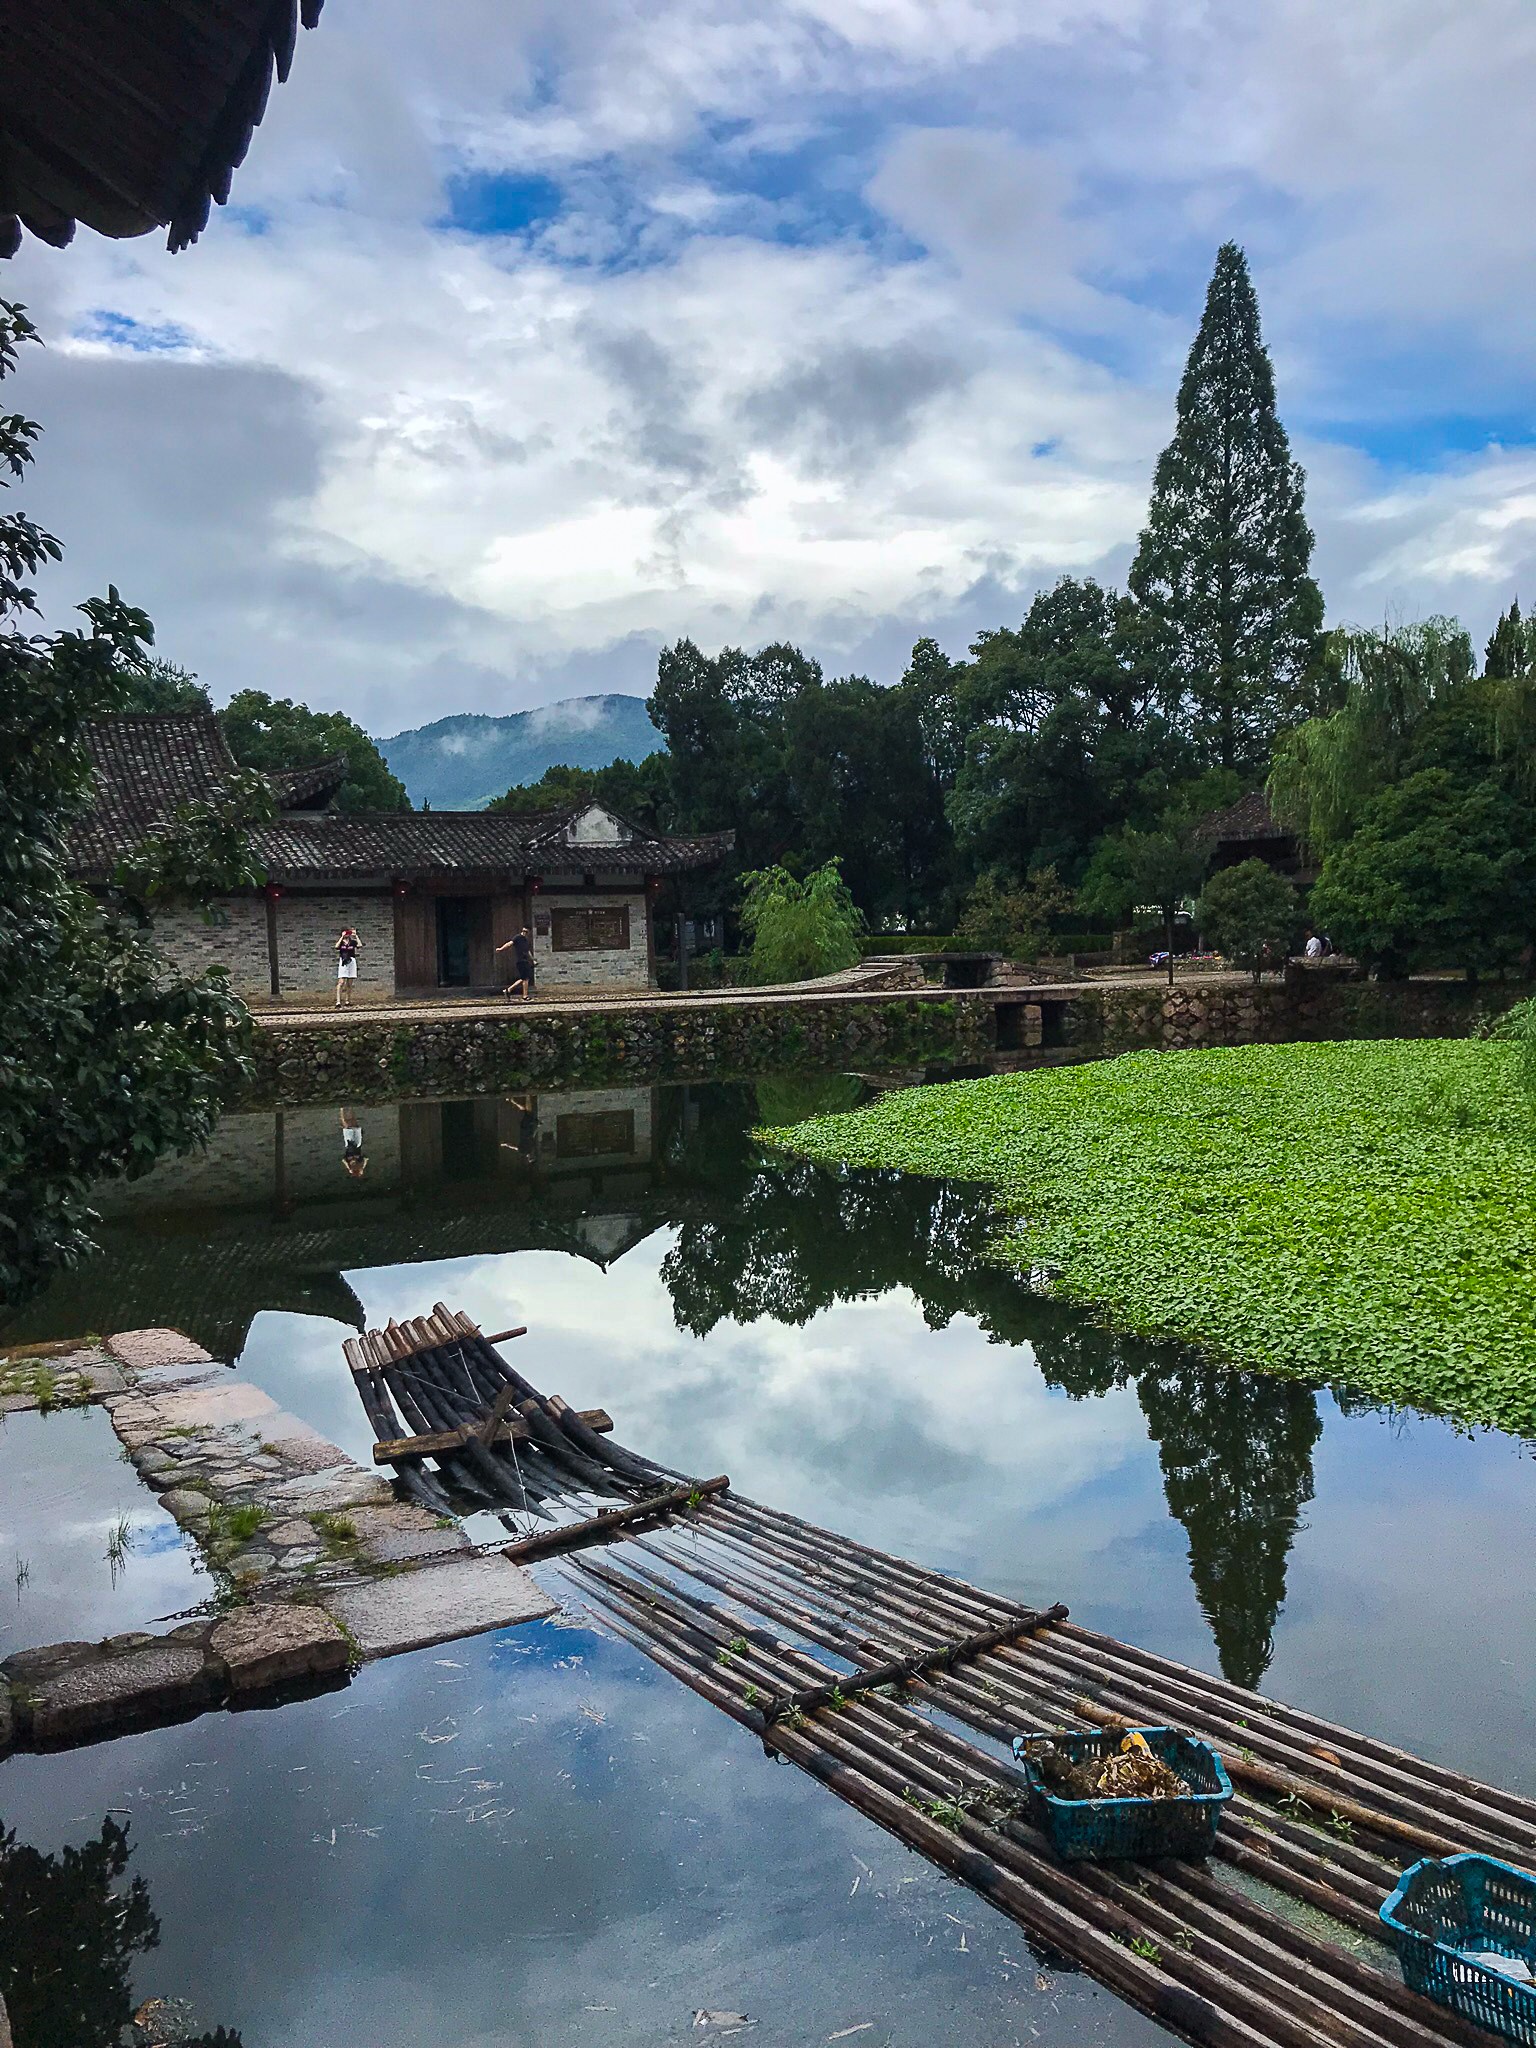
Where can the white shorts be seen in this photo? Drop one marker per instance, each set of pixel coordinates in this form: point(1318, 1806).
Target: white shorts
point(346, 970)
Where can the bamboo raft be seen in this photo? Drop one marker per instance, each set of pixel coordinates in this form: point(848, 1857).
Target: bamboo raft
point(901, 1689)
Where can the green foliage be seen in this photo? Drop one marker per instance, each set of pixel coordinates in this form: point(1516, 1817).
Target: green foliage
point(638, 790)
point(1228, 613)
point(1511, 650)
point(1441, 873)
point(1002, 917)
point(1517, 1027)
point(1380, 688)
point(162, 686)
point(1306, 1209)
point(1248, 912)
point(107, 1056)
point(205, 850)
point(273, 732)
point(800, 929)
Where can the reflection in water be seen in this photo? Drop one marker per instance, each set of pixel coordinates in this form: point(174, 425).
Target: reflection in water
point(538, 1836)
point(264, 1220)
point(69, 1933)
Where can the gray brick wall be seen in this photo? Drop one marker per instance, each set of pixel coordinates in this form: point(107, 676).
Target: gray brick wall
point(308, 927)
point(235, 939)
point(630, 969)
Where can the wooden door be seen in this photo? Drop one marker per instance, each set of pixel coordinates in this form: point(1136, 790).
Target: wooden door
point(415, 941)
point(482, 967)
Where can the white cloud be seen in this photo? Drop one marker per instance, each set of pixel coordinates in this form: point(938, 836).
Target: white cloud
point(854, 319)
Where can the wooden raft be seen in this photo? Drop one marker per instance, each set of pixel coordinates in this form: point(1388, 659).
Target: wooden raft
point(862, 1668)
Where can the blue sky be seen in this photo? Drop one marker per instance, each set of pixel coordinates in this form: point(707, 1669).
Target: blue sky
point(538, 336)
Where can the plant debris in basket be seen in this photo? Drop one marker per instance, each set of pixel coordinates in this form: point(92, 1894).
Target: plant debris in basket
point(1129, 1772)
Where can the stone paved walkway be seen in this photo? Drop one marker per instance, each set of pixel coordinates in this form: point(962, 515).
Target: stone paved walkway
point(316, 1565)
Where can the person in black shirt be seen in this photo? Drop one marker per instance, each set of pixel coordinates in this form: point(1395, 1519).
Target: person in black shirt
point(522, 964)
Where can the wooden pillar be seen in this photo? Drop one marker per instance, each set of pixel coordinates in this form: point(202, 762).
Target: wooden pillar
point(276, 979)
point(682, 938)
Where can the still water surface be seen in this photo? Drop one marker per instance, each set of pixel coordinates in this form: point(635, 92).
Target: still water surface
point(536, 1837)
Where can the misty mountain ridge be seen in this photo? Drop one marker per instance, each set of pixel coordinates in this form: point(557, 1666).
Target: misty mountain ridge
point(460, 763)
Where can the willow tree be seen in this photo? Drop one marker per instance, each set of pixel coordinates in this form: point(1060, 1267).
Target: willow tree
point(1228, 615)
point(1381, 686)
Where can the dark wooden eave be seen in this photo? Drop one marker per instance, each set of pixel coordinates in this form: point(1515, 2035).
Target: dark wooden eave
point(132, 114)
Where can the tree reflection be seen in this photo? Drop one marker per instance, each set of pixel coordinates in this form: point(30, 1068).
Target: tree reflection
point(1236, 1452)
point(69, 1933)
point(790, 1239)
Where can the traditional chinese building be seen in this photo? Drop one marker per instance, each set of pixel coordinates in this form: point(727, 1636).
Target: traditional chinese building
point(1248, 830)
point(431, 894)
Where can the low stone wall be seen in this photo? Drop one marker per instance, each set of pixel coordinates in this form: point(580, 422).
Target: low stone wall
point(669, 1040)
point(1307, 1006)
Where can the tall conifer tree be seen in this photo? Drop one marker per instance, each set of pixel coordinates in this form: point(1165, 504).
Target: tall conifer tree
point(1511, 649)
point(1228, 612)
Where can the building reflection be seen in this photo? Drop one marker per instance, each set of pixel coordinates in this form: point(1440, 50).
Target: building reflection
point(284, 1203)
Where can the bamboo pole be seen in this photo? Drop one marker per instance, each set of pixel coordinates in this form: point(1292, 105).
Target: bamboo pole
point(600, 1527)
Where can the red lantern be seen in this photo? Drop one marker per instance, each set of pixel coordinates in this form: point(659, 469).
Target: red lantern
point(535, 884)
point(272, 892)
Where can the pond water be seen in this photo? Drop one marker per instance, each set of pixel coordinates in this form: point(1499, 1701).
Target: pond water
point(536, 1836)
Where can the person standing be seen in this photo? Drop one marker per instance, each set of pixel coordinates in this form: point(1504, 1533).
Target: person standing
point(522, 964)
point(348, 946)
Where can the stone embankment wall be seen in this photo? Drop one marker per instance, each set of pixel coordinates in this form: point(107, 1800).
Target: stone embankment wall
point(715, 1040)
point(1120, 1017)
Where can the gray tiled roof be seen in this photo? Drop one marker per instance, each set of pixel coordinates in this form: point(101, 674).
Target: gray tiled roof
point(125, 116)
point(1249, 818)
point(149, 764)
point(414, 844)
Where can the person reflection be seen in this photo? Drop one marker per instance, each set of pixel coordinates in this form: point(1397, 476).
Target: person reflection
point(354, 1160)
point(526, 1142)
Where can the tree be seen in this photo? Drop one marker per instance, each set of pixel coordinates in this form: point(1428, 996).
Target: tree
point(1005, 918)
point(1062, 741)
point(164, 686)
point(273, 732)
point(1228, 613)
point(1511, 649)
point(638, 790)
point(108, 1057)
point(1440, 874)
point(1140, 870)
point(1381, 688)
point(800, 929)
point(1248, 912)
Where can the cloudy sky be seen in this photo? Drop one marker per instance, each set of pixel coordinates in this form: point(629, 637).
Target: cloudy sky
point(541, 333)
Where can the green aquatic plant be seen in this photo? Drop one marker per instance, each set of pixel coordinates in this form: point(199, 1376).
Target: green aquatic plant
point(1361, 1214)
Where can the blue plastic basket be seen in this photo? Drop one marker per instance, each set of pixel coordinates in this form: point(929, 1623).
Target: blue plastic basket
point(1442, 1909)
point(1130, 1827)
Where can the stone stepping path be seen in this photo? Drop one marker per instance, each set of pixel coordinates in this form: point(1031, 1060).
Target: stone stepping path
point(320, 1566)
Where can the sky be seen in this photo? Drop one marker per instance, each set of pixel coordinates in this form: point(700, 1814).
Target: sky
point(538, 335)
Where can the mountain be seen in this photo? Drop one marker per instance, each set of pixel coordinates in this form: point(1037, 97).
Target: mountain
point(460, 763)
